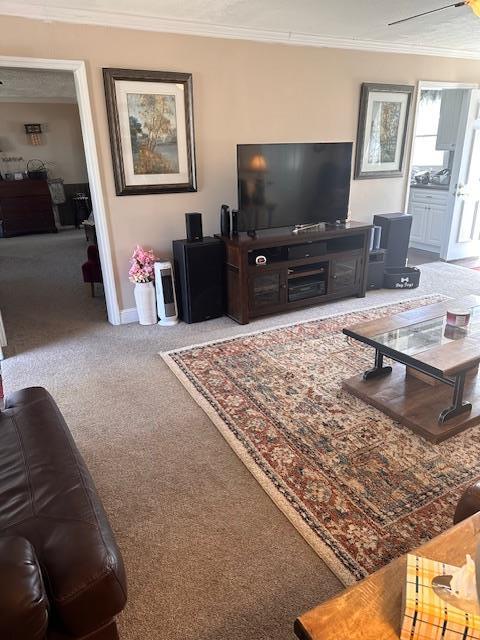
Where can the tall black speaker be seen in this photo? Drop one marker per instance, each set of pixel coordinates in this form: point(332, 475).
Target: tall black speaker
point(395, 236)
point(200, 278)
point(225, 220)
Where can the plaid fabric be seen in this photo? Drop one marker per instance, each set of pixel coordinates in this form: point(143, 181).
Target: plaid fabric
point(427, 617)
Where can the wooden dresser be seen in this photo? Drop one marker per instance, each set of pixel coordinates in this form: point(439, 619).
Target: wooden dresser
point(25, 207)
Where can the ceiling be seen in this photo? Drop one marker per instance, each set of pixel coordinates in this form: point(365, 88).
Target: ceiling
point(36, 85)
point(348, 23)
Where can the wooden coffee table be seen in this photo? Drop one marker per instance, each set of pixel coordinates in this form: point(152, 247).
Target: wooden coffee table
point(432, 386)
point(372, 609)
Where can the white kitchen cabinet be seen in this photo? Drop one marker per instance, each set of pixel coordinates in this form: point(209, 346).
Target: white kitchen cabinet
point(419, 221)
point(428, 209)
point(450, 110)
point(436, 219)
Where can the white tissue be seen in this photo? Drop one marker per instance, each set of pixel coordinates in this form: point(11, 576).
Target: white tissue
point(464, 582)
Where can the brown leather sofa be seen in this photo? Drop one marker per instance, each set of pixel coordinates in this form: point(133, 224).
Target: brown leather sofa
point(468, 504)
point(61, 572)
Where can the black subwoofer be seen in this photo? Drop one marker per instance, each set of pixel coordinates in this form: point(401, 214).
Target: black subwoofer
point(200, 278)
point(395, 236)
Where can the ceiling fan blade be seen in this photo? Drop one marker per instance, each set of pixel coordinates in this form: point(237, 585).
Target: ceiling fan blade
point(474, 6)
point(418, 15)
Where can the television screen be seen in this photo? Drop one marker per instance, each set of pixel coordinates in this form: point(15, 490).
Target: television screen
point(281, 185)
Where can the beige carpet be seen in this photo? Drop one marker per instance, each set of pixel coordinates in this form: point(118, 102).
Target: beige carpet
point(208, 555)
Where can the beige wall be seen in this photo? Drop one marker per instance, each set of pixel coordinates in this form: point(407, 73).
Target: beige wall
point(62, 142)
point(243, 92)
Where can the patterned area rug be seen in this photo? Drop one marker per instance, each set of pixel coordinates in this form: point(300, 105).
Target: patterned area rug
point(359, 487)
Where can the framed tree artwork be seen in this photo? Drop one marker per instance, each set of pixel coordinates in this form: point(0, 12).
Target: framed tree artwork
point(382, 130)
point(150, 117)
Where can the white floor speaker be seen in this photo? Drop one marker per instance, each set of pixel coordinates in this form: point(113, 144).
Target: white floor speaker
point(166, 297)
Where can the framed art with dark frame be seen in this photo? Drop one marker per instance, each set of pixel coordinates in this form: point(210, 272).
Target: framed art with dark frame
point(150, 118)
point(382, 130)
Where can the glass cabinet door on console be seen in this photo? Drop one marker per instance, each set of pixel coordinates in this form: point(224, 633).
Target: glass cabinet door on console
point(267, 289)
point(344, 273)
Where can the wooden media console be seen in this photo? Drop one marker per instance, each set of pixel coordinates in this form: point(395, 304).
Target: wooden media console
point(278, 270)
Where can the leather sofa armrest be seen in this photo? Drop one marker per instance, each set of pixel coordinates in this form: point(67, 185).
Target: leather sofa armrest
point(25, 397)
point(23, 601)
point(468, 504)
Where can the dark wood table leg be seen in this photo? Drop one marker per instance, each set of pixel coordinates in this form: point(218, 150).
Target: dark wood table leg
point(459, 406)
point(379, 369)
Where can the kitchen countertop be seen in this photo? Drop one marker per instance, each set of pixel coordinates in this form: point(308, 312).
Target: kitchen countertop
point(430, 187)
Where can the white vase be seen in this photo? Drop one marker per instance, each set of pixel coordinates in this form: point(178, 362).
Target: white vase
point(144, 293)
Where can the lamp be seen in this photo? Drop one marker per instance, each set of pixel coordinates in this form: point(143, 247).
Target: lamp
point(34, 132)
point(258, 163)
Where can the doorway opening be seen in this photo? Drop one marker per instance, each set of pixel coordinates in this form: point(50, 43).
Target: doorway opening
point(78, 70)
point(443, 189)
point(42, 160)
point(48, 243)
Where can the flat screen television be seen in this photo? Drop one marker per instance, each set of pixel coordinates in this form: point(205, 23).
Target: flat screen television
point(283, 185)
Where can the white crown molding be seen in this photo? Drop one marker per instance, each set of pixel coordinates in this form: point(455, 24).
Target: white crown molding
point(195, 28)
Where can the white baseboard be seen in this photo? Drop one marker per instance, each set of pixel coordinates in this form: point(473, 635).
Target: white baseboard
point(128, 315)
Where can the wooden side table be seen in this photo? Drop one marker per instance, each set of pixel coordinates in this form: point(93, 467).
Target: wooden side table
point(372, 608)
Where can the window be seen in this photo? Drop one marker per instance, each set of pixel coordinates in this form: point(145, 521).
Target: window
point(425, 156)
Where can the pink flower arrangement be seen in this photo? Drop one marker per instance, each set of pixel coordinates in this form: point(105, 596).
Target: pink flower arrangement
point(142, 265)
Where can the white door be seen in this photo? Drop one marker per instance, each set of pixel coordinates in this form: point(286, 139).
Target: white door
point(462, 240)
